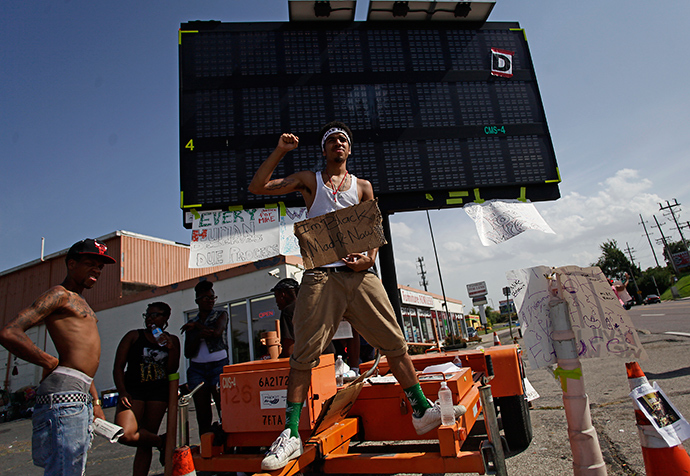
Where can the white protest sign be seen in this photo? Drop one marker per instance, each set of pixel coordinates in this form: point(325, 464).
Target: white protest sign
point(530, 291)
point(499, 220)
point(229, 237)
point(601, 326)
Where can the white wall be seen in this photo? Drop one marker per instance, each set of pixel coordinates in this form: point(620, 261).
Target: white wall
point(114, 323)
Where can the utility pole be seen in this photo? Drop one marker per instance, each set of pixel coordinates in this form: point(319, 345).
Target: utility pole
point(649, 240)
point(631, 272)
point(630, 253)
point(422, 273)
point(670, 207)
point(668, 250)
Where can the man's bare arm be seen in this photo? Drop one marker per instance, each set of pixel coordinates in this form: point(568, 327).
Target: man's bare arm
point(262, 184)
point(14, 338)
point(362, 261)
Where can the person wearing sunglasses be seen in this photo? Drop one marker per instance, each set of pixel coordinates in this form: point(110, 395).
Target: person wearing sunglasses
point(141, 369)
point(206, 345)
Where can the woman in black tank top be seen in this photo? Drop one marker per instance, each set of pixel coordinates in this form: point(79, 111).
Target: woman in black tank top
point(141, 369)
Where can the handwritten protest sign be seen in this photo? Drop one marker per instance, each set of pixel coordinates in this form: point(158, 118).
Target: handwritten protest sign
point(230, 237)
point(330, 237)
point(602, 327)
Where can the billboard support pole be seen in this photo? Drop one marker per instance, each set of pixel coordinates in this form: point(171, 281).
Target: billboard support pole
point(388, 274)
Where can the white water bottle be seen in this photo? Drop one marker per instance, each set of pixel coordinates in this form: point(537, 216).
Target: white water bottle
point(158, 335)
point(339, 371)
point(445, 397)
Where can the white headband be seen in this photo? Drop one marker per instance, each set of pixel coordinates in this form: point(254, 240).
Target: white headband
point(332, 131)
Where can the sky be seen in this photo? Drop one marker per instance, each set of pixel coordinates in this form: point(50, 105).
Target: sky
point(89, 129)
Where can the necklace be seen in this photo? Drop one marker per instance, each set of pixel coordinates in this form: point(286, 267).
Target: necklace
point(337, 190)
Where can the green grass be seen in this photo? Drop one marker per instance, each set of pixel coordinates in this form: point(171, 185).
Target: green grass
point(683, 286)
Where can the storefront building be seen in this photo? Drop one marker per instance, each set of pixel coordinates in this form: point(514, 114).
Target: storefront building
point(425, 317)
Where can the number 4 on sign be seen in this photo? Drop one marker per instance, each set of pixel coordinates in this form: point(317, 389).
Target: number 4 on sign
point(190, 144)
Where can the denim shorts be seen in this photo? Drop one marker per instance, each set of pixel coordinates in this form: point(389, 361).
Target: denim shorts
point(62, 434)
point(207, 372)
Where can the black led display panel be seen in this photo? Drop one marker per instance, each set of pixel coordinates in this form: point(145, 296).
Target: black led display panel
point(432, 126)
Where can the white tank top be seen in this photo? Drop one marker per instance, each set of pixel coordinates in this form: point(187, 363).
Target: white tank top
point(324, 201)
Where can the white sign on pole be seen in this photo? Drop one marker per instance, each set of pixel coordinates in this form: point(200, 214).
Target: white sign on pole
point(601, 326)
point(477, 289)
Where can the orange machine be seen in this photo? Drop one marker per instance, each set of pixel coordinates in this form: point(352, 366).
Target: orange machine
point(371, 433)
point(254, 393)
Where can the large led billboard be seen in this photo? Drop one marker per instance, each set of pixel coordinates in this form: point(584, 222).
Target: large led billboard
point(441, 115)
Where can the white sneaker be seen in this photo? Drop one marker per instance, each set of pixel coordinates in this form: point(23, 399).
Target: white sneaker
point(284, 449)
point(432, 418)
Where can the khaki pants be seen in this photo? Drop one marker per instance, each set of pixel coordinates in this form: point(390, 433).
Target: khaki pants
point(326, 297)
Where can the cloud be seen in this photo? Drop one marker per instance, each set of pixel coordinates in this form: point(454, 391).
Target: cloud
point(582, 220)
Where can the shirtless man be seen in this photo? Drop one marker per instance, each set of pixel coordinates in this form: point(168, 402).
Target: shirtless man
point(66, 400)
point(345, 288)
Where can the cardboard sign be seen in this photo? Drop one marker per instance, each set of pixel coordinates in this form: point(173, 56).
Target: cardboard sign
point(330, 237)
point(601, 326)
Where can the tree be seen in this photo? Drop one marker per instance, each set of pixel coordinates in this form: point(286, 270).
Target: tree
point(613, 262)
point(655, 280)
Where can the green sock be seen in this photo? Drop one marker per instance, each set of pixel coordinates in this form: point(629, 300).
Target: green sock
point(417, 399)
point(292, 413)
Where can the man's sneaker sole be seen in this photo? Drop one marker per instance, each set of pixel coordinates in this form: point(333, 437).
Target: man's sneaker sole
point(271, 461)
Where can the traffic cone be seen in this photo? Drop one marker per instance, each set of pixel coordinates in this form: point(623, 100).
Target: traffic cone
point(659, 458)
point(497, 341)
point(183, 464)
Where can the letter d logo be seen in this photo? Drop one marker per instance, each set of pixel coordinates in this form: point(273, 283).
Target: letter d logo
point(502, 63)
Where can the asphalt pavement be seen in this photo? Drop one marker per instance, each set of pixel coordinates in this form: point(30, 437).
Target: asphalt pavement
point(549, 453)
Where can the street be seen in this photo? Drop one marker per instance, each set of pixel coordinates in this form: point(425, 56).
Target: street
point(549, 453)
point(610, 406)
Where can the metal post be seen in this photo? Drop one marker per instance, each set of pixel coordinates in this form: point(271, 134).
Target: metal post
point(492, 451)
point(440, 276)
point(584, 443)
point(183, 419)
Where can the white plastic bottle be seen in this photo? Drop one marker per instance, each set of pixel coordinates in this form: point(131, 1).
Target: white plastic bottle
point(445, 397)
point(339, 370)
point(457, 362)
point(158, 335)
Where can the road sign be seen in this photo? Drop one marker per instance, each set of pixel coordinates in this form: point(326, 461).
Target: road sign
point(477, 289)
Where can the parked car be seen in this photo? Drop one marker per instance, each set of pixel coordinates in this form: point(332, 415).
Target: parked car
point(651, 299)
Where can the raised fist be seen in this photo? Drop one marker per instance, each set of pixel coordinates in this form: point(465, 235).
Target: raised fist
point(288, 142)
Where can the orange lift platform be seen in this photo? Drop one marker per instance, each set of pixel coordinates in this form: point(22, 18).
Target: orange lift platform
point(365, 427)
